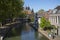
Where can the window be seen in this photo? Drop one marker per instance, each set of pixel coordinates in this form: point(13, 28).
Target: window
point(54, 11)
point(56, 19)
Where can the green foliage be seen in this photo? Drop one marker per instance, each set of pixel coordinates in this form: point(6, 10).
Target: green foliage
point(10, 9)
point(32, 19)
point(14, 31)
point(41, 11)
point(53, 26)
point(44, 23)
point(22, 15)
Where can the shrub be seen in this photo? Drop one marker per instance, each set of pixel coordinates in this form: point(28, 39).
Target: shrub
point(44, 23)
point(49, 27)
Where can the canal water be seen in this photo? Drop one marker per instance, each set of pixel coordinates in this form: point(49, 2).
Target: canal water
point(28, 33)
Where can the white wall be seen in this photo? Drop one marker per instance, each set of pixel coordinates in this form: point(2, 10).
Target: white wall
point(53, 20)
point(39, 21)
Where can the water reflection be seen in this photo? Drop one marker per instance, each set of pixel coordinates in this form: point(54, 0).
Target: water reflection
point(28, 33)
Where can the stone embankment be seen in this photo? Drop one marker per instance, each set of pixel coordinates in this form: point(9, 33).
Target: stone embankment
point(45, 33)
point(6, 28)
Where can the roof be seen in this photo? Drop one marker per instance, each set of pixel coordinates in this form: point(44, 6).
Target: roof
point(58, 8)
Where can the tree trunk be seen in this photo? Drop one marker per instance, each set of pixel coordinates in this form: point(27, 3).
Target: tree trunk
point(0, 24)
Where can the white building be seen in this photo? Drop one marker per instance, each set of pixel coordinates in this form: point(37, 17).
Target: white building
point(54, 19)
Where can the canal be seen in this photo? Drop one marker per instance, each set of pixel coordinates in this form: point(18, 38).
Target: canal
point(27, 33)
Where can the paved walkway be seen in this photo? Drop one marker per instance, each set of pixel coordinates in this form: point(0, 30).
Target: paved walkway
point(57, 38)
point(5, 26)
point(46, 34)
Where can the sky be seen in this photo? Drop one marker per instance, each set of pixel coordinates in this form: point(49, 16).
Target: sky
point(41, 4)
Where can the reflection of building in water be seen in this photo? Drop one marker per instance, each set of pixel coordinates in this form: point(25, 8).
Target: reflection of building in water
point(28, 35)
point(27, 27)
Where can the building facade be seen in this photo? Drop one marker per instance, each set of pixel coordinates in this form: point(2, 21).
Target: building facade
point(54, 18)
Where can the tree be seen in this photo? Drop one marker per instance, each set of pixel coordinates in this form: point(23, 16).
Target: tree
point(44, 23)
point(32, 15)
point(10, 9)
point(41, 11)
point(32, 11)
point(23, 15)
